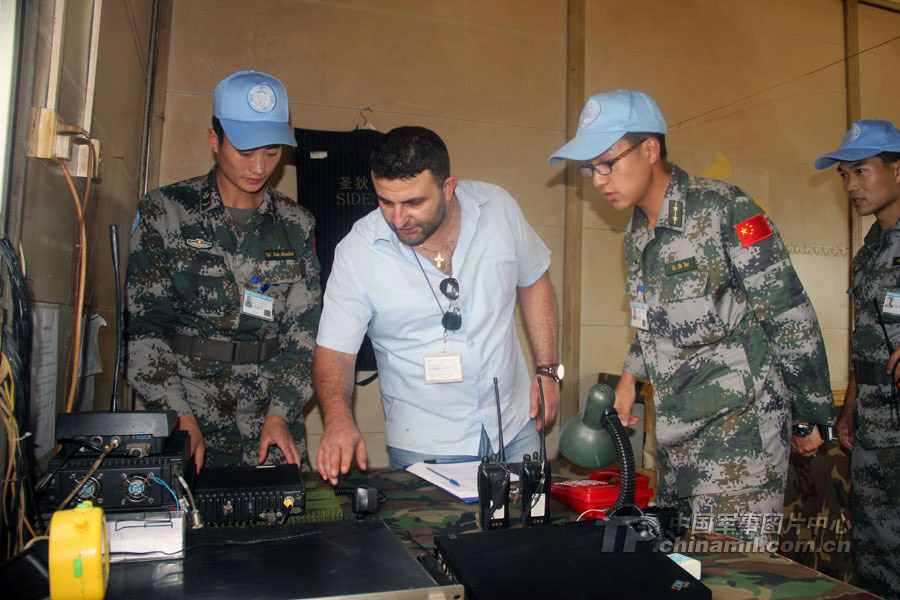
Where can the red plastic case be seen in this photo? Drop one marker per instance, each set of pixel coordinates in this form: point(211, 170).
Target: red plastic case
point(599, 492)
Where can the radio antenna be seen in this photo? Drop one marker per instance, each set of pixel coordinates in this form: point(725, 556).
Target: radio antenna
point(114, 249)
point(499, 420)
point(543, 423)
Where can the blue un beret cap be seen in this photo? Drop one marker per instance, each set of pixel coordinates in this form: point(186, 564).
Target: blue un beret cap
point(865, 138)
point(253, 109)
point(605, 118)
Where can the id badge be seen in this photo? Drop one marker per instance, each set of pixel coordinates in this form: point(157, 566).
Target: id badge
point(639, 316)
point(891, 304)
point(443, 368)
point(258, 305)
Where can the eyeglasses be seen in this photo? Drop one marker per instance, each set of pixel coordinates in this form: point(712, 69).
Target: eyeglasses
point(452, 319)
point(604, 167)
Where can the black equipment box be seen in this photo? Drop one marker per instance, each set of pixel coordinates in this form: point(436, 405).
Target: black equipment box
point(122, 483)
point(337, 559)
point(247, 495)
point(139, 432)
point(561, 561)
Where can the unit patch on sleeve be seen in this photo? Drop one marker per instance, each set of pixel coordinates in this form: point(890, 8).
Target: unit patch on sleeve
point(753, 230)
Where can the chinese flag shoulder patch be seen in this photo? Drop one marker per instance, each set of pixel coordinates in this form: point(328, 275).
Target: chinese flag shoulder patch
point(753, 230)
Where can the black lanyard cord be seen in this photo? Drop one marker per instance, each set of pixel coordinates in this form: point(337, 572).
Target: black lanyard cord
point(428, 281)
point(895, 392)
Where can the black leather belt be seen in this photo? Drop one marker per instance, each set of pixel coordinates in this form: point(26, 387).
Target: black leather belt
point(870, 373)
point(239, 353)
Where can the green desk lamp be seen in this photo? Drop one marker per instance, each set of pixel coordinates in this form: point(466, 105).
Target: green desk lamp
point(596, 438)
point(585, 440)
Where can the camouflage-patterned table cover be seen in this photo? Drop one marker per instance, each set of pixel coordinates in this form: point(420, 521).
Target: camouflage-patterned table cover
point(417, 511)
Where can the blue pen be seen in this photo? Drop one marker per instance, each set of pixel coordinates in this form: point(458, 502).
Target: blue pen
point(453, 481)
point(261, 289)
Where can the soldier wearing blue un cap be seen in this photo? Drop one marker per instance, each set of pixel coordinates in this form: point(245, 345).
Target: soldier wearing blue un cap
point(868, 162)
point(724, 330)
point(253, 110)
point(223, 290)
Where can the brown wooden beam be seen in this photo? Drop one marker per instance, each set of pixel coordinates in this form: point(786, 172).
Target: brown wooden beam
point(571, 326)
point(853, 96)
point(891, 5)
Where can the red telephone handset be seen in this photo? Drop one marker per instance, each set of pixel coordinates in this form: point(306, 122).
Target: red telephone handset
point(598, 493)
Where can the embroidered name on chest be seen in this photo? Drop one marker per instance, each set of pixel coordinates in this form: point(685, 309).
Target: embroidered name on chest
point(280, 254)
point(680, 266)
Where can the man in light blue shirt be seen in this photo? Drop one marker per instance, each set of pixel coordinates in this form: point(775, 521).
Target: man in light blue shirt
point(432, 276)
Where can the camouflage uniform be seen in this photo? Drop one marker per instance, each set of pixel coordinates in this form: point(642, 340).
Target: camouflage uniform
point(875, 460)
point(188, 270)
point(733, 348)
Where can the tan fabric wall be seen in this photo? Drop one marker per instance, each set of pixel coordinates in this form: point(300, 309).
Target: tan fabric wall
point(698, 56)
point(48, 218)
point(490, 78)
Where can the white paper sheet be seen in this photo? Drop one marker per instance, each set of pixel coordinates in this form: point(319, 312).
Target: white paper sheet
point(460, 479)
point(45, 360)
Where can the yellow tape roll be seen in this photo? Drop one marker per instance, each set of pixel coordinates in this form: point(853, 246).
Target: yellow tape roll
point(78, 554)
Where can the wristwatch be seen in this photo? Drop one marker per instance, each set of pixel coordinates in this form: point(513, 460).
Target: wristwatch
point(802, 429)
point(555, 372)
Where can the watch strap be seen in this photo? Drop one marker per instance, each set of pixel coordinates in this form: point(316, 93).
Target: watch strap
point(549, 371)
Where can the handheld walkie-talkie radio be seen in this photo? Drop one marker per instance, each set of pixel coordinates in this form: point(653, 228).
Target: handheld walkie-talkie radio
point(534, 481)
point(493, 482)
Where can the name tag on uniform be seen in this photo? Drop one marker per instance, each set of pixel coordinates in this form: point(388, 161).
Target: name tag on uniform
point(279, 254)
point(443, 368)
point(891, 304)
point(639, 316)
point(680, 266)
point(258, 305)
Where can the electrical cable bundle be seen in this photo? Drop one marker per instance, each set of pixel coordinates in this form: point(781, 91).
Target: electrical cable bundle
point(19, 505)
point(610, 420)
point(80, 267)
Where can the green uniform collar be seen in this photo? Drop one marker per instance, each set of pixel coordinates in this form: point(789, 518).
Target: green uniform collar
point(876, 236)
point(671, 212)
point(211, 200)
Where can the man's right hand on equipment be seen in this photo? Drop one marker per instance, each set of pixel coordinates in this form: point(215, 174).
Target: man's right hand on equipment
point(195, 442)
point(341, 441)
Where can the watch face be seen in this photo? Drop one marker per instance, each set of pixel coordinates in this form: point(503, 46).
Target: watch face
point(802, 429)
point(554, 371)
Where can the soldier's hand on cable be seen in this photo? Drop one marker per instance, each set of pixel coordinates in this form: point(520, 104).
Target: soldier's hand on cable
point(196, 444)
point(275, 432)
point(551, 400)
point(341, 442)
point(625, 397)
point(843, 428)
point(892, 363)
point(809, 445)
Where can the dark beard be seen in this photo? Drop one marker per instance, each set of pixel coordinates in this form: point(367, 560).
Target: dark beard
point(427, 229)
